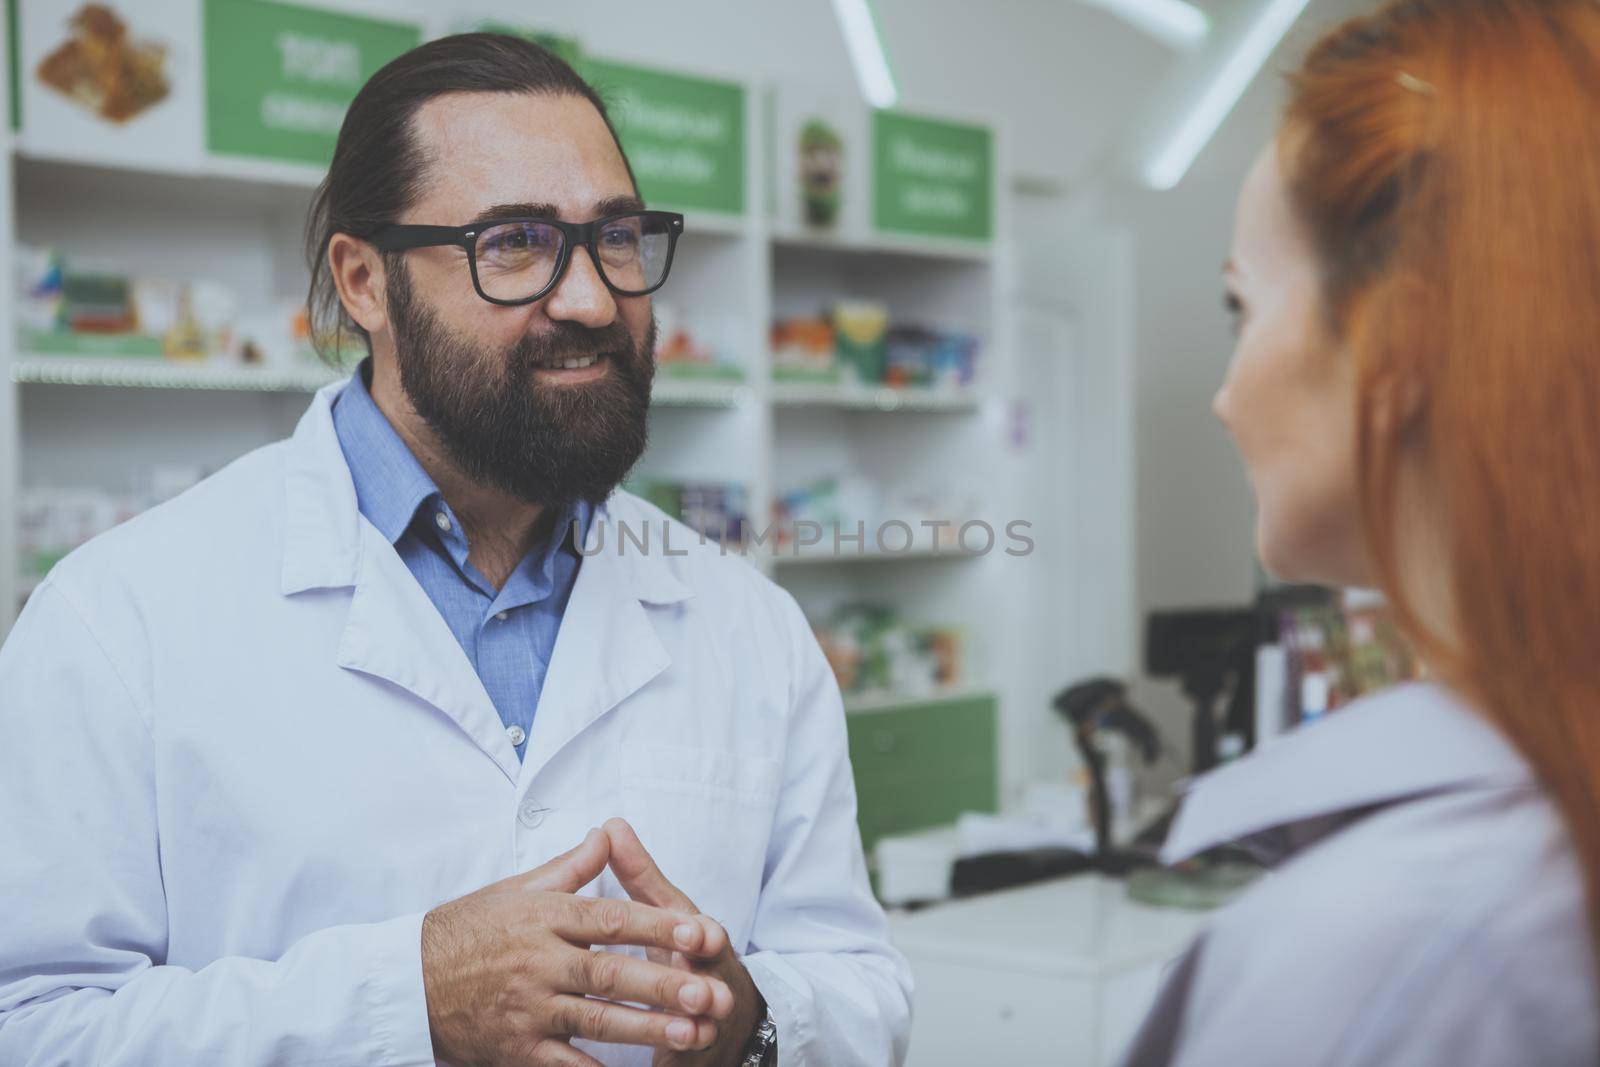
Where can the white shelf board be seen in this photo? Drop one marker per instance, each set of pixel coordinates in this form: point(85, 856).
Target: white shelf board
point(239, 184)
point(221, 168)
point(884, 245)
point(714, 223)
point(873, 398)
point(670, 392)
point(165, 374)
point(868, 702)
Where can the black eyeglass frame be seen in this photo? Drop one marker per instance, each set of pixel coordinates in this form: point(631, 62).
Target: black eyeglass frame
point(399, 237)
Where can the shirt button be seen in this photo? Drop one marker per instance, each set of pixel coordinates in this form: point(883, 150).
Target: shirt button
point(500, 615)
point(441, 520)
point(530, 814)
point(517, 735)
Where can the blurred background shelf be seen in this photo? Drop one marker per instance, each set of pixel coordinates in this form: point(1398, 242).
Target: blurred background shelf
point(873, 398)
point(880, 244)
point(165, 374)
point(677, 392)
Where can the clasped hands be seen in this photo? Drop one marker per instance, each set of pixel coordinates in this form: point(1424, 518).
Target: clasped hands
point(511, 976)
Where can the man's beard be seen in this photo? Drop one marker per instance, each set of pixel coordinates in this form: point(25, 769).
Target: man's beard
point(545, 444)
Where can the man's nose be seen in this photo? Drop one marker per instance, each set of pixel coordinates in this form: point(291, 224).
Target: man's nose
point(582, 296)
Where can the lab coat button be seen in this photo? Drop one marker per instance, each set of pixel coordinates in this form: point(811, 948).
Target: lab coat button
point(531, 814)
point(517, 735)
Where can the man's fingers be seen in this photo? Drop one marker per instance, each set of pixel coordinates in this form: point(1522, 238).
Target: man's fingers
point(572, 870)
point(553, 1053)
point(613, 921)
point(599, 1020)
point(617, 977)
point(713, 939)
point(637, 872)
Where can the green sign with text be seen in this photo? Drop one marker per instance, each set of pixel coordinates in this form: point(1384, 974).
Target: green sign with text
point(684, 136)
point(279, 77)
point(932, 178)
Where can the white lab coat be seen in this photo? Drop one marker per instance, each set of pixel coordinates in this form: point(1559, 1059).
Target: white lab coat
point(241, 755)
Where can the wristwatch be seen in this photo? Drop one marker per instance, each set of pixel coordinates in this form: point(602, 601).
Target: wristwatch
point(762, 1049)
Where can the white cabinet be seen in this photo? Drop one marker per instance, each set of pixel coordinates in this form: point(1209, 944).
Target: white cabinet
point(1058, 973)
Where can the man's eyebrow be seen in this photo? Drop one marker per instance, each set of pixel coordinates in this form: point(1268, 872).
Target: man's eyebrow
point(517, 211)
point(616, 205)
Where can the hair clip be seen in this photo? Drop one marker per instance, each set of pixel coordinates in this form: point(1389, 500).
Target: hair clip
point(1415, 84)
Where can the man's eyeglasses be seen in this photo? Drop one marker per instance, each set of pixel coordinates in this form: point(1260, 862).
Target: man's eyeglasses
point(519, 260)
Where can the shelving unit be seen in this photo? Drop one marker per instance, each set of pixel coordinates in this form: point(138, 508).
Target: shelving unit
point(872, 398)
point(30, 369)
point(103, 421)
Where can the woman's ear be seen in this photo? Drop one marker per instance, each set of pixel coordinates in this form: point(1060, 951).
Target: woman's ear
point(358, 275)
point(1390, 332)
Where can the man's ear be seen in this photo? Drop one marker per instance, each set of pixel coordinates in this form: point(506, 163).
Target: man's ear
point(358, 275)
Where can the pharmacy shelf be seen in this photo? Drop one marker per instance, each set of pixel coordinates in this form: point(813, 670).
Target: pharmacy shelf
point(873, 398)
point(884, 245)
point(868, 702)
point(707, 222)
point(671, 392)
point(163, 374)
point(239, 222)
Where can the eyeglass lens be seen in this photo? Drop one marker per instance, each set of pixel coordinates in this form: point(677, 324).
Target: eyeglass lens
point(518, 259)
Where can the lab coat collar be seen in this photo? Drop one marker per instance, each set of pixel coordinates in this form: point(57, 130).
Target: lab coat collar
point(322, 536)
point(322, 525)
point(607, 647)
point(1400, 744)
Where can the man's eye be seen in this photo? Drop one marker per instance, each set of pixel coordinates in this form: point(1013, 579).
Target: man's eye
point(619, 237)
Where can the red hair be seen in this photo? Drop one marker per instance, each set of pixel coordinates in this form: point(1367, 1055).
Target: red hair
point(1444, 156)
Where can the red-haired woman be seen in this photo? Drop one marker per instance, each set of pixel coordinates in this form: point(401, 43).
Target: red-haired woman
point(1416, 395)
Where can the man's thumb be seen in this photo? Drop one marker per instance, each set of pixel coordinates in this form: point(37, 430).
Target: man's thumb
point(572, 870)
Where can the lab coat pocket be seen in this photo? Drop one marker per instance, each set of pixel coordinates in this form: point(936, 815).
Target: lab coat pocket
point(706, 816)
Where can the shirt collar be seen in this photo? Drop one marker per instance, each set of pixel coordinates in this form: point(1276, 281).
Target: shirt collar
point(390, 484)
point(1403, 743)
point(323, 540)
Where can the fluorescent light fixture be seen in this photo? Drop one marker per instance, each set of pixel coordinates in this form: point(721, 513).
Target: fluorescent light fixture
point(1174, 23)
point(1169, 165)
point(866, 52)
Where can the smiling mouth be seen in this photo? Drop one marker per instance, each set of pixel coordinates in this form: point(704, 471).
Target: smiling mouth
point(575, 362)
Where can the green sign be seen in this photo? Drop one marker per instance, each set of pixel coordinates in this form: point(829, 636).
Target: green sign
point(279, 77)
point(684, 136)
point(932, 178)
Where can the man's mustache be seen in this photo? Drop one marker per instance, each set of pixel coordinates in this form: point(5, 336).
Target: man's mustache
point(564, 341)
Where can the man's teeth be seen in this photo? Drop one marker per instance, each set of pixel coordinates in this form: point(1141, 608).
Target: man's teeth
point(575, 364)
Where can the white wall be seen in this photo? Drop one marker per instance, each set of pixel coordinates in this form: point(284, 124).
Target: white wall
point(1195, 512)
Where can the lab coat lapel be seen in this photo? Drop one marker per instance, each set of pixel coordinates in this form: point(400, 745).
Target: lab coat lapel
point(393, 631)
point(607, 648)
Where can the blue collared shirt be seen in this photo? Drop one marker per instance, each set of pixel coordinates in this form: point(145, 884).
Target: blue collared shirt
point(508, 635)
point(1425, 905)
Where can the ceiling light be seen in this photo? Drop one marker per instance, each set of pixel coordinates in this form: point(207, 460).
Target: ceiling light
point(1168, 166)
point(1174, 23)
point(866, 51)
